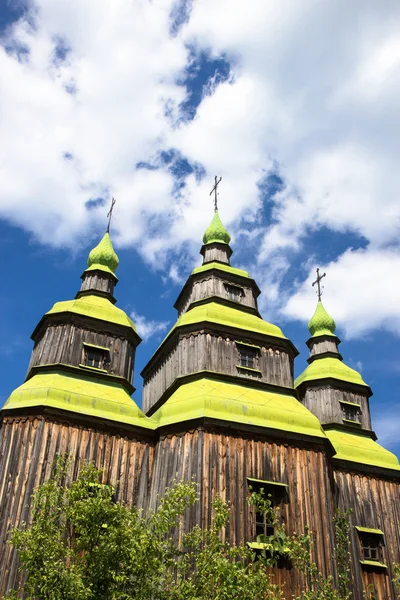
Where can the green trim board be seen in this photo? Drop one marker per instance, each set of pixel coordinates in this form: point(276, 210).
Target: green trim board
point(359, 447)
point(267, 546)
point(220, 267)
point(235, 403)
point(373, 563)
point(90, 368)
point(368, 530)
point(238, 343)
point(351, 422)
point(354, 404)
point(330, 367)
point(96, 307)
point(278, 483)
point(254, 371)
point(97, 347)
point(81, 394)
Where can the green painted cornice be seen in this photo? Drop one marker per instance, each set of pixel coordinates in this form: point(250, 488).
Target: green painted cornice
point(360, 448)
point(96, 307)
point(216, 232)
point(220, 267)
point(103, 256)
point(329, 367)
point(321, 322)
point(235, 403)
point(81, 394)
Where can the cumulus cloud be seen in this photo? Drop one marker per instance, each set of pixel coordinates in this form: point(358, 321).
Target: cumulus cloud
point(92, 96)
point(147, 328)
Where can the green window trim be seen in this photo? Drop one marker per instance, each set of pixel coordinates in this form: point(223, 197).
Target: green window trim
point(350, 403)
point(368, 530)
point(266, 546)
point(278, 483)
point(255, 371)
point(96, 369)
point(97, 347)
point(352, 422)
point(248, 345)
point(373, 563)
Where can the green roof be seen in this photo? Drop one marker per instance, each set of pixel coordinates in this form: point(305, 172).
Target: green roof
point(96, 307)
point(103, 255)
point(80, 394)
point(213, 312)
point(360, 448)
point(369, 530)
point(216, 232)
point(220, 267)
point(321, 323)
point(322, 368)
point(237, 404)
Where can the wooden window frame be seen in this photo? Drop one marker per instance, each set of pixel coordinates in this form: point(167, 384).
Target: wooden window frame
point(351, 412)
point(235, 297)
point(371, 546)
point(103, 361)
point(278, 492)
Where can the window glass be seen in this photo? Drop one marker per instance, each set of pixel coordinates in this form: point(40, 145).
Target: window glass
point(234, 292)
point(351, 413)
point(98, 358)
point(247, 357)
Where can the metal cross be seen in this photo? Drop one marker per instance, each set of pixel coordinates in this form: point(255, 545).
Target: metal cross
point(217, 181)
point(318, 282)
point(109, 215)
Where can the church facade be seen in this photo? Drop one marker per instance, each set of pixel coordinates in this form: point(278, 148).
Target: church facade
point(220, 405)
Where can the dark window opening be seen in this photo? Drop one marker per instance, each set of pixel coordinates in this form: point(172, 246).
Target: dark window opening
point(371, 547)
point(234, 293)
point(97, 358)
point(247, 357)
point(351, 413)
point(276, 493)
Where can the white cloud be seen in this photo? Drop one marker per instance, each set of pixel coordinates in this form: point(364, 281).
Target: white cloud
point(147, 328)
point(309, 90)
point(362, 292)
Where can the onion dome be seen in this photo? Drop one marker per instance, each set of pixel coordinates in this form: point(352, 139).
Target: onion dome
point(321, 323)
point(104, 255)
point(216, 232)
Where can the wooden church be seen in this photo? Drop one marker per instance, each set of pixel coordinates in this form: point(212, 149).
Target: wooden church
point(220, 405)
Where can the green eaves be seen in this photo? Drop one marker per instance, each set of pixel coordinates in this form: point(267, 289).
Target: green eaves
point(220, 267)
point(235, 403)
point(96, 307)
point(329, 367)
point(213, 312)
point(82, 394)
point(362, 449)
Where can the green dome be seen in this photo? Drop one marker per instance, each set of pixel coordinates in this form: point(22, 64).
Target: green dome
point(321, 323)
point(103, 255)
point(216, 232)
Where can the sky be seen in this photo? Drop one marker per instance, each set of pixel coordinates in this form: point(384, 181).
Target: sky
point(293, 103)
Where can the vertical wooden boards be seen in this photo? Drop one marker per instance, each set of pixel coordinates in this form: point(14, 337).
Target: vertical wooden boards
point(375, 503)
point(324, 402)
point(28, 450)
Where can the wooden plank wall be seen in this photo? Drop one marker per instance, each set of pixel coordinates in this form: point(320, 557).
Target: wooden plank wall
point(98, 281)
point(376, 504)
point(320, 346)
point(215, 286)
point(221, 464)
point(28, 448)
point(204, 351)
point(324, 403)
point(64, 344)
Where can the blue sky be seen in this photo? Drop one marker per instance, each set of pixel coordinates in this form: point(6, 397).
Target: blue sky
point(294, 106)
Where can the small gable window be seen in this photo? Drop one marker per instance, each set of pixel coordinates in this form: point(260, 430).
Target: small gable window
point(351, 412)
point(96, 357)
point(234, 292)
point(247, 357)
point(371, 546)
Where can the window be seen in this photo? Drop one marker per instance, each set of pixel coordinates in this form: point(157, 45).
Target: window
point(234, 292)
point(371, 545)
point(96, 357)
point(247, 357)
point(351, 412)
point(276, 493)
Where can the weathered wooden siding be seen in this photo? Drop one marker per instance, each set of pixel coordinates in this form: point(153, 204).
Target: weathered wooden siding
point(324, 402)
point(63, 343)
point(28, 449)
point(216, 253)
point(215, 286)
point(324, 345)
point(98, 281)
point(221, 463)
point(376, 504)
point(204, 351)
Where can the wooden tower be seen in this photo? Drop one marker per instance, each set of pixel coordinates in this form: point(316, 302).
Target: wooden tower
point(219, 405)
